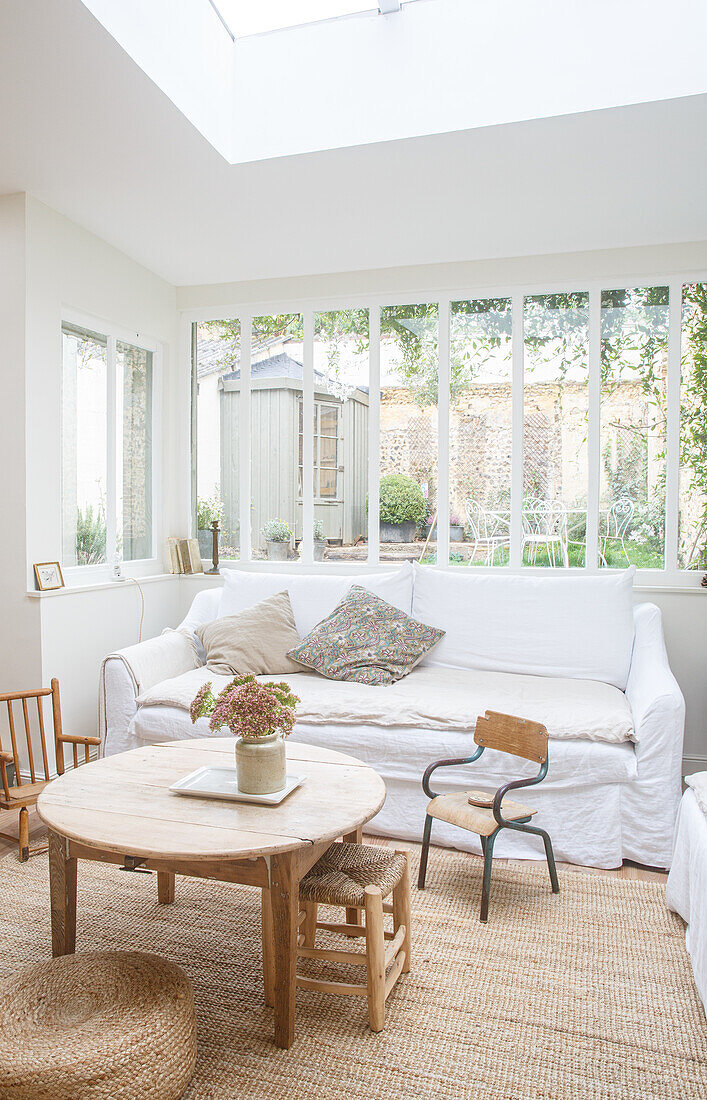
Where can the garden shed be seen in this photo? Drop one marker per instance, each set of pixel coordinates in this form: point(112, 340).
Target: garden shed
point(340, 449)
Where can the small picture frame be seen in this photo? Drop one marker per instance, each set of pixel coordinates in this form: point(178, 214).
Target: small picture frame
point(48, 575)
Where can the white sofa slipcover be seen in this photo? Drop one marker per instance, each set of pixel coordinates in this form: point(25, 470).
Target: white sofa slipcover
point(603, 801)
point(686, 889)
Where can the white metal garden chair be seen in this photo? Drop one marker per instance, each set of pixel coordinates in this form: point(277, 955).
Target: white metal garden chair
point(618, 521)
point(545, 526)
point(490, 531)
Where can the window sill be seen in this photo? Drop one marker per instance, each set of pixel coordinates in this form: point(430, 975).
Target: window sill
point(72, 589)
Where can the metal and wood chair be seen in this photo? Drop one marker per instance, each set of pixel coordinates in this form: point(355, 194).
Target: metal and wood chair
point(355, 877)
point(518, 737)
point(618, 523)
point(16, 794)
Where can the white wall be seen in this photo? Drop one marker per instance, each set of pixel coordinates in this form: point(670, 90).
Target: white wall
point(187, 53)
point(79, 629)
point(68, 268)
point(19, 638)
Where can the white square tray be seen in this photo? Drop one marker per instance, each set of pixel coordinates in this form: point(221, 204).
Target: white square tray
point(211, 782)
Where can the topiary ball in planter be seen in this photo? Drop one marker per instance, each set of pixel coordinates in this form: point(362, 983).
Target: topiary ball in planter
point(402, 508)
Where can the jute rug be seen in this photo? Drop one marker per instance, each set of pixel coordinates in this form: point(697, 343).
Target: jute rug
point(584, 995)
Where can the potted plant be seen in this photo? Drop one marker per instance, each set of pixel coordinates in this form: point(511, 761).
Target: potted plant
point(319, 540)
point(456, 527)
point(209, 510)
point(260, 716)
point(402, 508)
point(277, 535)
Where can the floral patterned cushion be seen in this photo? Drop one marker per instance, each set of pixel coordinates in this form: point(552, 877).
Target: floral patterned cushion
point(367, 640)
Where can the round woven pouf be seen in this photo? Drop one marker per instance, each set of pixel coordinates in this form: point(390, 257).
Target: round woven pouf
point(109, 1025)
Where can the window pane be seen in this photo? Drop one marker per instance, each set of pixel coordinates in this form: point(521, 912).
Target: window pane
point(341, 399)
point(555, 429)
point(634, 352)
point(327, 483)
point(84, 447)
point(135, 510)
point(409, 388)
point(217, 351)
point(327, 451)
point(328, 420)
point(480, 431)
point(692, 547)
point(275, 401)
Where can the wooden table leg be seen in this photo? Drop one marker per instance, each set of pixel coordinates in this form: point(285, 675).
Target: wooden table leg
point(268, 949)
point(284, 898)
point(353, 916)
point(165, 887)
point(62, 892)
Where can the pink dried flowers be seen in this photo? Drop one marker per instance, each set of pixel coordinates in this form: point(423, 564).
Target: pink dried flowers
point(248, 708)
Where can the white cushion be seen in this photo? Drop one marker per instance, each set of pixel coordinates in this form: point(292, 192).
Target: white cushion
point(579, 627)
point(440, 699)
point(313, 596)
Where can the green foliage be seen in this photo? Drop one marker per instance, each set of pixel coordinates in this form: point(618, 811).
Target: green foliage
point(317, 529)
point(276, 530)
point(90, 535)
point(401, 500)
point(208, 509)
point(693, 438)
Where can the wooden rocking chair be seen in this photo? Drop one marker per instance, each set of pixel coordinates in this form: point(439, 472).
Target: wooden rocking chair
point(21, 796)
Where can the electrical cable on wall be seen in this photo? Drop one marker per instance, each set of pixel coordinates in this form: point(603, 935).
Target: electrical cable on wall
point(119, 576)
point(142, 606)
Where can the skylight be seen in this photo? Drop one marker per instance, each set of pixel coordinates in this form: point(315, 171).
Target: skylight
point(245, 17)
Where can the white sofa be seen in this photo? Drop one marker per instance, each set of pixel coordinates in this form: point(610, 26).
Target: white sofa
point(686, 888)
point(570, 651)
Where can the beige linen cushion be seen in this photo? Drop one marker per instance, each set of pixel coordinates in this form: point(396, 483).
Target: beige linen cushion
point(253, 642)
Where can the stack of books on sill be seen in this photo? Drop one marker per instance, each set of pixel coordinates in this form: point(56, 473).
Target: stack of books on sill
point(184, 556)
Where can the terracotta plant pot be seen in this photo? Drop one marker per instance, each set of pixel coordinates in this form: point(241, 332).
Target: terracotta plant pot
point(261, 764)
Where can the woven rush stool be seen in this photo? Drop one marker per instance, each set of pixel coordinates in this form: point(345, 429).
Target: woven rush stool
point(108, 1025)
point(360, 876)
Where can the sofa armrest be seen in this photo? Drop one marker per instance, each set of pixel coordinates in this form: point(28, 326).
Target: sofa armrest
point(656, 702)
point(130, 671)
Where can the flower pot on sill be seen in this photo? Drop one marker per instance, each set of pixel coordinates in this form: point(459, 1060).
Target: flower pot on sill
point(319, 548)
point(261, 764)
point(206, 542)
point(397, 532)
point(277, 551)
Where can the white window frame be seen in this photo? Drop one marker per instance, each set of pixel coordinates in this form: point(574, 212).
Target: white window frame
point(75, 575)
point(670, 577)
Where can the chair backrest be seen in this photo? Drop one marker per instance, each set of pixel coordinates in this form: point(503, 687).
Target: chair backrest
point(476, 517)
point(517, 736)
point(543, 517)
point(20, 719)
point(619, 517)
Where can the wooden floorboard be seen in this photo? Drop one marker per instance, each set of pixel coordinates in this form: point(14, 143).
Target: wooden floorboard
point(8, 824)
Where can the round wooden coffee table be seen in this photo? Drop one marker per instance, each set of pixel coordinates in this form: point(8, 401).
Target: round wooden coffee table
point(120, 810)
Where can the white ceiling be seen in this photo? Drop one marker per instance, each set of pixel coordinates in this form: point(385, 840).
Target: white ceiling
point(84, 130)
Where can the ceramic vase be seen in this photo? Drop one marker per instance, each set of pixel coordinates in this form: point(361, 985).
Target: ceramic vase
point(261, 764)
